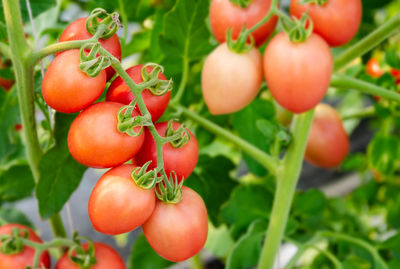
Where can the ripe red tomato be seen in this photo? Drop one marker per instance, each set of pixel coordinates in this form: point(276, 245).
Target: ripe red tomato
point(225, 15)
point(66, 88)
point(328, 143)
point(396, 74)
point(230, 80)
point(117, 205)
point(337, 21)
point(373, 68)
point(95, 141)
point(77, 31)
point(25, 258)
point(182, 160)
point(298, 74)
point(106, 258)
point(120, 92)
point(178, 231)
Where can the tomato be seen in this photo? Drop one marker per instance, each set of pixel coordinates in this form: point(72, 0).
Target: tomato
point(77, 31)
point(120, 92)
point(373, 68)
point(106, 258)
point(230, 81)
point(117, 205)
point(178, 231)
point(225, 15)
point(182, 160)
point(298, 74)
point(95, 141)
point(25, 258)
point(66, 88)
point(337, 21)
point(396, 74)
point(328, 143)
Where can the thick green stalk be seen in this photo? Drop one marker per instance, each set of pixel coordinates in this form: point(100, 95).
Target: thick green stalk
point(263, 158)
point(365, 112)
point(346, 82)
point(287, 177)
point(24, 75)
point(369, 42)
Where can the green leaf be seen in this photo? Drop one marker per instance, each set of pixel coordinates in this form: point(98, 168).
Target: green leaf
point(12, 215)
point(144, 257)
point(219, 241)
point(255, 124)
point(213, 183)
point(185, 34)
point(16, 183)
point(392, 59)
point(60, 173)
point(246, 204)
point(140, 41)
point(37, 6)
point(393, 216)
point(154, 53)
point(383, 153)
point(392, 243)
point(6, 73)
point(246, 252)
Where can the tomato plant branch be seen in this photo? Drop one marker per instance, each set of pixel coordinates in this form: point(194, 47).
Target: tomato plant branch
point(287, 177)
point(24, 75)
point(272, 11)
point(365, 112)
point(374, 253)
point(369, 42)
point(5, 49)
point(346, 82)
point(263, 158)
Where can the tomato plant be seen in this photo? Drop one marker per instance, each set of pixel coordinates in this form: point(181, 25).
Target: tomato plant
point(337, 21)
point(178, 231)
point(24, 257)
point(120, 92)
point(226, 73)
point(105, 256)
point(304, 85)
point(63, 83)
point(117, 205)
point(94, 140)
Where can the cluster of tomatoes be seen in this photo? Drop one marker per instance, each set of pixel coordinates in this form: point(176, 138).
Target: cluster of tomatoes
point(176, 227)
point(297, 72)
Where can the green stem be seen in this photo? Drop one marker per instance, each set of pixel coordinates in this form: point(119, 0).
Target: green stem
point(263, 158)
point(287, 177)
point(5, 49)
point(54, 48)
point(182, 84)
point(369, 42)
point(271, 12)
point(374, 253)
point(196, 262)
point(24, 74)
point(366, 112)
point(346, 82)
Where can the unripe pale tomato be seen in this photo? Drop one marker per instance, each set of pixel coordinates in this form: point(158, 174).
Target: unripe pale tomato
point(337, 21)
point(77, 31)
point(120, 92)
point(25, 258)
point(182, 160)
point(95, 141)
point(66, 88)
point(106, 257)
point(328, 143)
point(117, 205)
point(230, 80)
point(298, 74)
point(225, 15)
point(178, 231)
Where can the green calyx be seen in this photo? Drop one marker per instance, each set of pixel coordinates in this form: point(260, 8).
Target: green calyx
point(170, 192)
point(177, 138)
point(317, 2)
point(78, 255)
point(157, 86)
point(298, 30)
point(241, 44)
point(12, 243)
point(127, 122)
point(146, 179)
point(241, 3)
point(100, 17)
point(91, 63)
